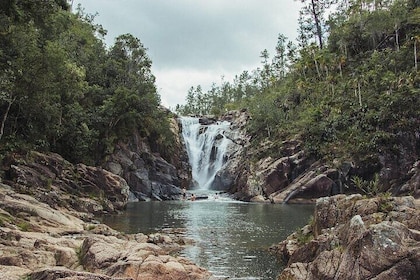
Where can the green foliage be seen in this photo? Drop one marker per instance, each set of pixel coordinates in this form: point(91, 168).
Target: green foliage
point(370, 188)
point(25, 277)
point(385, 203)
point(91, 227)
point(4, 219)
point(352, 95)
point(62, 90)
point(305, 235)
point(24, 226)
point(79, 254)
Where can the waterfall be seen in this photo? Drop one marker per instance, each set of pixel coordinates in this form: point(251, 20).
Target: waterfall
point(206, 147)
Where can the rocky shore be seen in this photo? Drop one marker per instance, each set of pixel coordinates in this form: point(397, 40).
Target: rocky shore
point(352, 237)
point(48, 231)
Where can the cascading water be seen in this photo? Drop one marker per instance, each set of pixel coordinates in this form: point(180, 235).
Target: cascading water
point(206, 147)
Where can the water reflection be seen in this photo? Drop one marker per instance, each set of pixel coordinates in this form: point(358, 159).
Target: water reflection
point(231, 238)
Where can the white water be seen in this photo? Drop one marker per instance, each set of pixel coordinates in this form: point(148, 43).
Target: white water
point(206, 147)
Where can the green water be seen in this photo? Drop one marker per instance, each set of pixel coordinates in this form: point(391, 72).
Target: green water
point(231, 238)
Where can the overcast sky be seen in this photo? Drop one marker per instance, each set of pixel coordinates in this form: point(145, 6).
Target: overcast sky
point(196, 42)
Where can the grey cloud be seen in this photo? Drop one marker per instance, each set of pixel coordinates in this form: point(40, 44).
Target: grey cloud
point(198, 35)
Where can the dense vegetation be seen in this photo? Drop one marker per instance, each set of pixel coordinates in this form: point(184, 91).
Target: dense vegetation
point(349, 87)
point(63, 90)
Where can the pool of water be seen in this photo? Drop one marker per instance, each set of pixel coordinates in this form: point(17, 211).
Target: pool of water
point(231, 237)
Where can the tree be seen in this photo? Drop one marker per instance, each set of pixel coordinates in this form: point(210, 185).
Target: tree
point(313, 18)
point(266, 69)
point(131, 92)
point(280, 58)
point(61, 90)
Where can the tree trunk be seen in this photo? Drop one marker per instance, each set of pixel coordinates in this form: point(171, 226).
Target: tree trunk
point(415, 53)
point(3, 121)
point(397, 39)
point(317, 24)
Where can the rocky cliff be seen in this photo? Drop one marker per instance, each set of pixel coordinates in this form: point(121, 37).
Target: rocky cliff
point(47, 230)
point(283, 172)
point(352, 237)
point(148, 174)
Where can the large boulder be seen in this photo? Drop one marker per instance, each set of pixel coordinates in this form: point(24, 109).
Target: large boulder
point(126, 258)
point(352, 237)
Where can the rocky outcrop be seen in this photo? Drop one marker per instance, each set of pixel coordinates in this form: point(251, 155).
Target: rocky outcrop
point(138, 260)
point(148, 174)
point(40, 241)
point(352, 237)
point(50, 179)
point(294, 177)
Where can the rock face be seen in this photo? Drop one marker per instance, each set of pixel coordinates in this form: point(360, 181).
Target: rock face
point(150, 176)
point(352, 237)
point(293, 177)
point(45, 233)
point(412, 186)
point(180, 157)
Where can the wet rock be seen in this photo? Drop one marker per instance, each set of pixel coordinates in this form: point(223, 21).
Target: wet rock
point(207, 120)
point(227, 177)
point(259, 198)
